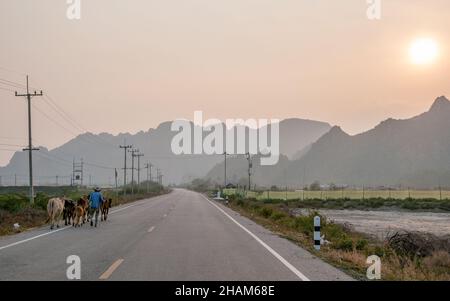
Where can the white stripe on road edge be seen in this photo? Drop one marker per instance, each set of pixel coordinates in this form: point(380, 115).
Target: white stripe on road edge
point(151, 229)
point(272, 251)
point(34, 237)
point(111, 269)
point(52, 232)
point(118, 210)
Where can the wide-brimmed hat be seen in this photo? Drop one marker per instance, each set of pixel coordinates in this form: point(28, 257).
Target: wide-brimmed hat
point(97, 189)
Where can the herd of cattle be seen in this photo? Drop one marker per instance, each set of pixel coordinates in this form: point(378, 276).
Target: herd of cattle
point(75, 213)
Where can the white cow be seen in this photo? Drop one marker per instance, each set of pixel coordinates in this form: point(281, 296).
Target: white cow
point(55, 209)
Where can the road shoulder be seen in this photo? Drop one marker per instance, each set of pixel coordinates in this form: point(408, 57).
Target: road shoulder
point(308, 264)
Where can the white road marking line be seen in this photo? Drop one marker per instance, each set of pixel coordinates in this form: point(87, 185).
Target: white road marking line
point(52, 231)
point(118, 210)
point(111, 269)
point(272, 251)
point(151, 229)
point(34, 237)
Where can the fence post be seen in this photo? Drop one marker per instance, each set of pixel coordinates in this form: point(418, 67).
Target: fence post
point(317, 232)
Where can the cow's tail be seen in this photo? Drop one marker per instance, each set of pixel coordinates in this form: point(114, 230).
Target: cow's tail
point(50, 211)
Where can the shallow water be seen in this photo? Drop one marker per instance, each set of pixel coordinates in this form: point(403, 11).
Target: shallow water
point(379, 223)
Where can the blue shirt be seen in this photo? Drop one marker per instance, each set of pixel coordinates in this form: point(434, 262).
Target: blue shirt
point(96, 199)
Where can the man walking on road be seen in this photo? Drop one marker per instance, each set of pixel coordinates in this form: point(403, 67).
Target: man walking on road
point(95, 203)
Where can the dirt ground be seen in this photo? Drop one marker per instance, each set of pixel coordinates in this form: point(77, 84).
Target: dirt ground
point(379, 223)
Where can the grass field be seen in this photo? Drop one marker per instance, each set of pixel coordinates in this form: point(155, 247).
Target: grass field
point(343, 194)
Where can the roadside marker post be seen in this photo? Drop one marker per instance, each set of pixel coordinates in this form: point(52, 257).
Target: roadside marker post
point(317, 232)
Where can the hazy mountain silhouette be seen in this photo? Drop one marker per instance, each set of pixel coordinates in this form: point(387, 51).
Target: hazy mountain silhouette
point(412, 152)
point(101, 154)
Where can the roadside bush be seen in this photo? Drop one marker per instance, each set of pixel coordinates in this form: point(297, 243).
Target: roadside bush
point(305, 224)
point(379, 251)
point(410, 205)
point(333, 231)
point(40, 201)
point(375, 203)
point(288, 222)
point(276, 216)
point(265, 212)
point(255, 207)
point(445, 206)
point(240, 203)
point(344, 244)
point(13, 203)
point(361, 244)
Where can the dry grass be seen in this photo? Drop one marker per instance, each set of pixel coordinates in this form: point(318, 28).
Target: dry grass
point(394, 267)
point(26, 218)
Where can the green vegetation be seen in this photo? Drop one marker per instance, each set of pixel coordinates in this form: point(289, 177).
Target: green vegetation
point(345, 248)
point(275, 193)
point(199, 185)
point(424, 204)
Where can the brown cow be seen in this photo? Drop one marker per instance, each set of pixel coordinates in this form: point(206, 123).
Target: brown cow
point(105, 208)
point(55, 207)
point(84, 203)
point(69, 211)
point(79, 216)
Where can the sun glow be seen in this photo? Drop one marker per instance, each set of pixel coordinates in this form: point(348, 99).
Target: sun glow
point(423, 51)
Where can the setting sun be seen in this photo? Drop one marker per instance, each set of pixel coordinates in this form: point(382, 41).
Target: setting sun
point(423, 51)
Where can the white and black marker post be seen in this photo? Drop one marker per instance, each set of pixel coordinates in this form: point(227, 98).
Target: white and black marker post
point(317, 232)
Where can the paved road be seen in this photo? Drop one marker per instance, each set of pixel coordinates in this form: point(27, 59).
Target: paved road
point(178, 236)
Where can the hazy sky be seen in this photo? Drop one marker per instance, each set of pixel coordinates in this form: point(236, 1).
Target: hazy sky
point(129, 65)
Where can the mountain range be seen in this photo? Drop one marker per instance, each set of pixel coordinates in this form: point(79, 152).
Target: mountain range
point(101, 155)
point(411, 152)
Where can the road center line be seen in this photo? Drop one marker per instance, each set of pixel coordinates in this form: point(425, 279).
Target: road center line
point(111, 269)
point(272, 251)
point(151, 229)
point(53, 231)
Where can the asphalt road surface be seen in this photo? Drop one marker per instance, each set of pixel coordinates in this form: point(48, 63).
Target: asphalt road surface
point(178, 236)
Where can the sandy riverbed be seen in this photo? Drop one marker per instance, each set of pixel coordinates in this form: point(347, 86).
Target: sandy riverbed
point(379, 223)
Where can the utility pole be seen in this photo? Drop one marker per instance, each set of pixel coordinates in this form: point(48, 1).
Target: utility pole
point(250, 166)
point(30, 148)
point(15, 180)
point(148, 166)
point(159, 176)
point(133, 154)
point(139, 155)
point(225, 176)
point(115, 177)
point(125, 148)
